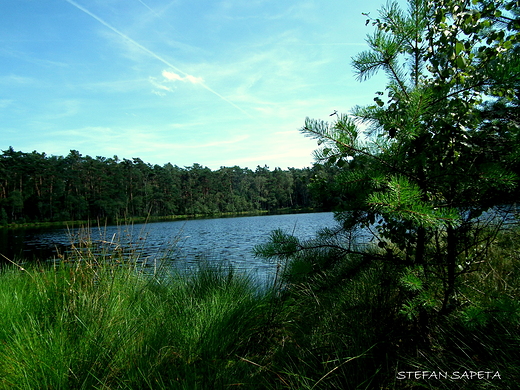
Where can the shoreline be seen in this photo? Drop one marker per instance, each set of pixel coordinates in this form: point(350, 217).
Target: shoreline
point(119, 221)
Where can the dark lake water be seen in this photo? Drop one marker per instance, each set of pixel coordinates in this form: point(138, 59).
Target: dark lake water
point(184, 243)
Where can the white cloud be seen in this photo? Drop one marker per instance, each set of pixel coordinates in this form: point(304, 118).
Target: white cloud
point(160, 88)
point(171, 76)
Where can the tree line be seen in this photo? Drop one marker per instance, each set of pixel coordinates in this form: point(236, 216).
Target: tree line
point(38, 187)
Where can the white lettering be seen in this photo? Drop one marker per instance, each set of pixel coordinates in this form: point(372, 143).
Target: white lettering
point(455, 375)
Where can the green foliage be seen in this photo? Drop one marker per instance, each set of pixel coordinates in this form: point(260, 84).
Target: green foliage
point(403, 200)
point(36, 187)
point(419, 196)
point(419, 275)
point(411, 279)
point(433, 158)
point(355, 319)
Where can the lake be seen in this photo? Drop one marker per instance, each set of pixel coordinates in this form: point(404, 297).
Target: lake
point(185, 243)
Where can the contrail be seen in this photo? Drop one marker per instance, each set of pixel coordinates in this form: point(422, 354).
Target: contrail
point(146, 6)
point(152, 53)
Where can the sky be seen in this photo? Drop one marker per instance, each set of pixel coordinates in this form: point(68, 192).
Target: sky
point(218, 83)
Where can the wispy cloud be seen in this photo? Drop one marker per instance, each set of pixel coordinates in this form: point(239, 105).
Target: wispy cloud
point(62, 108)
point(235, 140)
point(174, 76)
point(123, 85)
point(159, 88)
point(31, 58)
point(5, 102)
point(15, 79)
point(156, 56)
point(137, 141)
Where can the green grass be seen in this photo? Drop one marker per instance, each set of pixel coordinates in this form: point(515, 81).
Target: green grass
point(85, 326)
point(107, 322)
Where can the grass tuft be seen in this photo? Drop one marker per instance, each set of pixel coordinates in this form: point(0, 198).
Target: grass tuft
point(106, 322)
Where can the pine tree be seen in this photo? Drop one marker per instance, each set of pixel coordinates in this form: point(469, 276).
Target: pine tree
point(430, 163)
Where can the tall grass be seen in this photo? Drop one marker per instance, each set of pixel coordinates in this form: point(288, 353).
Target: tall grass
point(88, 323)
point(103, 320)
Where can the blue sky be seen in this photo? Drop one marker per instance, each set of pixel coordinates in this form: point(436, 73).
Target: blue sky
point(219, 83)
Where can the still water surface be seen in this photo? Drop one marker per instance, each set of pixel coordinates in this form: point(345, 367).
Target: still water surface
point(185, 243)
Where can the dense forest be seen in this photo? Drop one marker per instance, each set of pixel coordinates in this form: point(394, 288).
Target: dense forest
point(37, 187)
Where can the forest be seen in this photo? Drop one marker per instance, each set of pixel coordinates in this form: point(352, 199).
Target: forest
point(35, 187)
